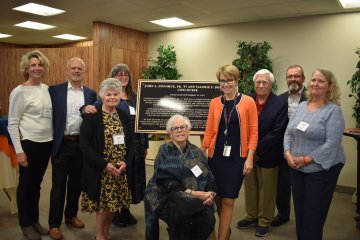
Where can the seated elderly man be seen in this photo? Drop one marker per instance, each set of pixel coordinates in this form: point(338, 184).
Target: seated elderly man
point(181, 191)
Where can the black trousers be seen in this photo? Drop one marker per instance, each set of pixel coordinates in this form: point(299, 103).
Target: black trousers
point(312, 193)
point(66, 180)
point(30, 178)
point(283, 195)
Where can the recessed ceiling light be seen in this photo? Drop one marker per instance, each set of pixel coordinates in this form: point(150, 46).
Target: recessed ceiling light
point(350, 3)
point(34, 25)
point(39, 9)
point(69, 37)
point(172, 22)
point(2, 35)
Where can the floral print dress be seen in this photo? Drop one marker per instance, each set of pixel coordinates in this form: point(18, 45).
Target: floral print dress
point(114, 192)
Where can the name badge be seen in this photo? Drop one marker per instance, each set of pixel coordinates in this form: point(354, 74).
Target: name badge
point(75, 110)
point(47, 112)
point(302, 126)
point(132, 110)
point(118, 139)
point(227, 151)
point(196, 171)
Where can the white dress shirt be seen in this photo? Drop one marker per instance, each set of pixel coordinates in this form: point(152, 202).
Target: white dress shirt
point(75, 99)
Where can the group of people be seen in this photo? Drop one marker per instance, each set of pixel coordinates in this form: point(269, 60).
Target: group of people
point(92, 152)
point(274, 144)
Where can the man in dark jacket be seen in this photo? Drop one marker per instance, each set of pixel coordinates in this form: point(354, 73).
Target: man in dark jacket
point(66, 157)
point(261, 183)
point(295, 80)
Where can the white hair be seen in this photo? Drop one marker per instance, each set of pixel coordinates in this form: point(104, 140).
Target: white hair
point(264, 71)
point(173, 118)
point(107, 84)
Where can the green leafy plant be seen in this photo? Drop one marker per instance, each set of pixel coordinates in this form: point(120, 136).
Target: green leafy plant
point(252, 57)
point(164, 67)
point(354, 84)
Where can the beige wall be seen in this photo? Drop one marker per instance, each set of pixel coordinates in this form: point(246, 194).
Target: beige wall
point(322, 41)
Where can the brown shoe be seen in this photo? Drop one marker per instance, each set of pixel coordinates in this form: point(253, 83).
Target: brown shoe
point(75, 222)
point(55, 233)
point(30, 233)
point(40, 229)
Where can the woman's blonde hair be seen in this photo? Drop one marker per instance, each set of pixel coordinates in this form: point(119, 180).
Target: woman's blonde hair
point(24, 62)
point(333, 95)
point(229, 70)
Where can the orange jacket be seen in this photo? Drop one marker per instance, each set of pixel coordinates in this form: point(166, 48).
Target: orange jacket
point(248, 125)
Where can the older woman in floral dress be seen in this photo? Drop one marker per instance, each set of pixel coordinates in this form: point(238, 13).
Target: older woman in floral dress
point(105, 139)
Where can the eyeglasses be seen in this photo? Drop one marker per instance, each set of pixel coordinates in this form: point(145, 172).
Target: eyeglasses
point(264, 83)
point(295, 76)
point(122, 74)
point(181, 128)
point(228, 81)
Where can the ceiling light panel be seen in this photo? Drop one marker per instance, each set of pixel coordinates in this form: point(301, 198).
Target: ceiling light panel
point(39, 9)
point(69, 37)
point(350, 3)
point(34, 25)
point(172, 22)
point(2, 35)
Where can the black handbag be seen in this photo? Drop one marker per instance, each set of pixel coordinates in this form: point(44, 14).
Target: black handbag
point(185, 212)
point(185, 205)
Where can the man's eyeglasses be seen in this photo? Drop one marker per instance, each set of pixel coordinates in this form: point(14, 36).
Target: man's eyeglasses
point(295, 76)
point(228, 81)
point(181, 128)
point(264, 83)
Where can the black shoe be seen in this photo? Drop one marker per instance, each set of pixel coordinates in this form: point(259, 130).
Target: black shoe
point(261, 231)
point(246, 223)
point(278, 220)
point(129, 218)
point(119, 220)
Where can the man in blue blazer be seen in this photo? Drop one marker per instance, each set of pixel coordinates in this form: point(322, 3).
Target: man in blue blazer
point(66, 160)
point(295, 79)
point(260, 184)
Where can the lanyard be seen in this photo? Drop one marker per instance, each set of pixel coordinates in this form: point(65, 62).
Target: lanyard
point(226, 117)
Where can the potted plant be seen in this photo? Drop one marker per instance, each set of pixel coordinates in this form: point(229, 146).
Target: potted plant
point(252, 57)
point(164, 67)
point(354, 84)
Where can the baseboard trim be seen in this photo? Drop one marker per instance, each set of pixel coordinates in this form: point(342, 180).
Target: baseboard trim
point(345, 189)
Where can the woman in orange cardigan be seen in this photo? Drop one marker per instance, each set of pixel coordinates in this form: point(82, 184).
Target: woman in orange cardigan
point(231, 137)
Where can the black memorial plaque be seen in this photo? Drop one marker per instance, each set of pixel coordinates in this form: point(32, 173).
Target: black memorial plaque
point(158, 100)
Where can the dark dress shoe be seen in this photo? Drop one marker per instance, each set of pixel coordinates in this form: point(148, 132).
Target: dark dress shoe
point(119, 220)
point(75, 222)
point(129, 218)
point(278, 221)
point(30, 233)
point(40, 229)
